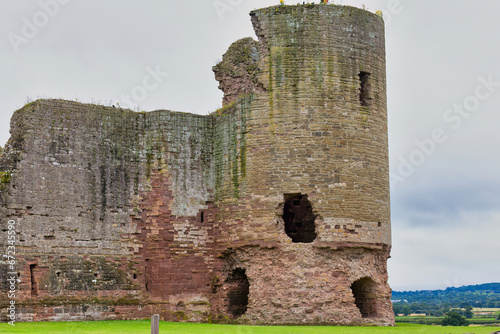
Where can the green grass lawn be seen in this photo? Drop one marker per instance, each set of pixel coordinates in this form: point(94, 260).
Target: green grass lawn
point(137, 327)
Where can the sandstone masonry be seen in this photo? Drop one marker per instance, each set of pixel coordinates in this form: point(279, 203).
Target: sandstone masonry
point(272, 210)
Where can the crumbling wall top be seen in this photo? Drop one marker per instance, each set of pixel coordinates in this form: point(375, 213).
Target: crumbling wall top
point(237, 72)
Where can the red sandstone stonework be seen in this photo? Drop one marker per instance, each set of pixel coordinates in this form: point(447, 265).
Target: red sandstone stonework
point(272, 210)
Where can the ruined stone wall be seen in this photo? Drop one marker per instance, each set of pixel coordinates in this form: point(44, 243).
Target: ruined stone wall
point(99, 195)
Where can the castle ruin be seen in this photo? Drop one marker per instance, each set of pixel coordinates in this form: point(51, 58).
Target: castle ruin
point(273, 210)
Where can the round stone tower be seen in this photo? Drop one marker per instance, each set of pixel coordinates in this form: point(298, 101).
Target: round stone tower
point(303, 225)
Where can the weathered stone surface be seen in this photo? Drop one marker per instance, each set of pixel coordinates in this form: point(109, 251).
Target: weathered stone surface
point(238, 70)
point(272, 210)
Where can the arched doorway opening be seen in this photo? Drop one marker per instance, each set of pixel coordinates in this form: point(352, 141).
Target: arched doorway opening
point(238, 290)
point(364, 291)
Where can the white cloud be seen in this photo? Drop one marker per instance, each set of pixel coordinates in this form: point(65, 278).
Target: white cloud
point(437, 256)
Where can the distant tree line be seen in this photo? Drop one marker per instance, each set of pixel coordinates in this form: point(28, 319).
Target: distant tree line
point(439, 302)
point(431, 310)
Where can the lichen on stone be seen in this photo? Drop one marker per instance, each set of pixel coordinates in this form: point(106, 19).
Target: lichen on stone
point(238, 70)
point(4, 179)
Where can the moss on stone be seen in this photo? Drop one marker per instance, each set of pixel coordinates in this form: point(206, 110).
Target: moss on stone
point(240, 59)
point(74, 300)
point(181, 315)
point(5, 177)
point(224, 110)
point(127, 300)
point(230, 148)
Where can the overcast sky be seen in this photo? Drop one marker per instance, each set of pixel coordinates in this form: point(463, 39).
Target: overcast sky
point(443, 101)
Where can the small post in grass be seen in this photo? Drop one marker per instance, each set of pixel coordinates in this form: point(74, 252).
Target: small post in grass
point(155, 324)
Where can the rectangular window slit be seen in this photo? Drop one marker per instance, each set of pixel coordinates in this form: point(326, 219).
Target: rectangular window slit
point(34, 287)
point(365, 94)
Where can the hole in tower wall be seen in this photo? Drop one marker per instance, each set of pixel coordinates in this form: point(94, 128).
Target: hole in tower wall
point(299, 218)
point(238, 290)
point(364, 291)
point(365, 93)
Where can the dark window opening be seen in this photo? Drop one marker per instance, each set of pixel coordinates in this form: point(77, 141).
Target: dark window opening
point(202, 217)
point(299, 218)
point(238, 290)
point(364, 291)
point(34, 286)
point(135, 276)
point(365, 94)
point(180, 306)
point(146, 275)
point(379, 224)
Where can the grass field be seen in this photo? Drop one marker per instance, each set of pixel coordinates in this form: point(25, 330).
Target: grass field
point(482, 316)
point(483, 309)
point(137, 327)
point(427, 320)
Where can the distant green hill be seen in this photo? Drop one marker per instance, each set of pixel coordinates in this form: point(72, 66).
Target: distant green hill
point(438, 301)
